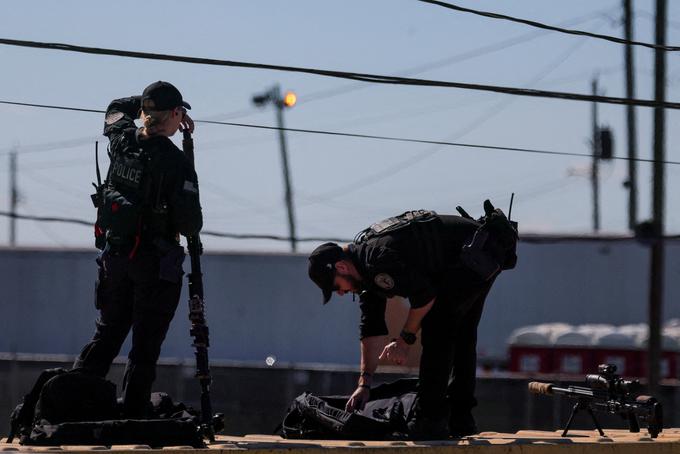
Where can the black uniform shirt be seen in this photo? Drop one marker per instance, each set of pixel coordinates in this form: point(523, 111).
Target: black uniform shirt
point(174, 184)
point(394, 264)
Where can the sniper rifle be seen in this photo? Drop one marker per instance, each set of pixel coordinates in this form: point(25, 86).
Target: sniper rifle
point(607, 392)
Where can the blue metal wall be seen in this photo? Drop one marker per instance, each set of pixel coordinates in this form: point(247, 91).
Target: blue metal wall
point(263, 304)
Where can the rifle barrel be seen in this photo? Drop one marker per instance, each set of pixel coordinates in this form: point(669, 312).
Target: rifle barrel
point(549, 389)
point(575, 391)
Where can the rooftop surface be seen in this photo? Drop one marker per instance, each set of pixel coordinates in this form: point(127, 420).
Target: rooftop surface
point(524, 442)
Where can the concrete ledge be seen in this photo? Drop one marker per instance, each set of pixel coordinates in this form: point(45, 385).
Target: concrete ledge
point(522, 442)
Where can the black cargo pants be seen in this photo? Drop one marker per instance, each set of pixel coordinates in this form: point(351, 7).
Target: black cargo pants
point(448, 363)
point(130, 294)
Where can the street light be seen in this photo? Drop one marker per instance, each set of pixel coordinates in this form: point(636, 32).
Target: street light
point(273, 96)
point(289, 99)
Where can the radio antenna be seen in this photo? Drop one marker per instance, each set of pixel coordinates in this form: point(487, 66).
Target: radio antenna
point(512, 197)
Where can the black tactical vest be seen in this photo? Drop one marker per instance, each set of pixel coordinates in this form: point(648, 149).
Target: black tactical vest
point(423, 226)
point(122, 198)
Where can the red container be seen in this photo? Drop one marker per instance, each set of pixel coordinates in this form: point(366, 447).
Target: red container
point(669, 364)
point(531, 359)
point(576, 360)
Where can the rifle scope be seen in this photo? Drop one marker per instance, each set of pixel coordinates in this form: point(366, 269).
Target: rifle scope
point(608, 380)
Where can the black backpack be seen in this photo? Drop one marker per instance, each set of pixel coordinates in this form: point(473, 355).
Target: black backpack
point(384, 417)
point(21, 419)
point(61, 395)
point(493, 246)
point(76, 396)
point(76, 408)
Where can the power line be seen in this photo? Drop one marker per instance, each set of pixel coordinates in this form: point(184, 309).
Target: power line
point(252, 236)
point(364, 77)
point(458, 58)
point(328, 93)
point(401, 139)
point(393, 169)
point(236, 236)
point(46, 218)
point(432, 142)
point(78, 109)
point(468, 55)
point(543, 26)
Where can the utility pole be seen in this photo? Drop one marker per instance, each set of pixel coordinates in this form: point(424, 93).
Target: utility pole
point(656, 284)
point(280, 102)
point(631, 183)
point(595, 169)
point(13, 197)
point(286, 175)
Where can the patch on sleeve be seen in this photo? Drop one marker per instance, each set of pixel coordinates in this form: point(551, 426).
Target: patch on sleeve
point(384, 281)
point(113, 117)
point(190, 186)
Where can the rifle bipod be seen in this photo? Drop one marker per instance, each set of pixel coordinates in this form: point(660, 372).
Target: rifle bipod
point(582, 404)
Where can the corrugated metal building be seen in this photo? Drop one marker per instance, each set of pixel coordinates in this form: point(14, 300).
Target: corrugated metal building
point(261, 305)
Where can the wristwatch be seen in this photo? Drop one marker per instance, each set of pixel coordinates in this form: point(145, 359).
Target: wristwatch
point(409, 338)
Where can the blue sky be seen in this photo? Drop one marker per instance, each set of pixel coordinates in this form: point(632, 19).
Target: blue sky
point(340, 184)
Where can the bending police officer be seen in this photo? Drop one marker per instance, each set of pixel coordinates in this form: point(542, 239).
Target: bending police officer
point(150, 196)
point(424, 257)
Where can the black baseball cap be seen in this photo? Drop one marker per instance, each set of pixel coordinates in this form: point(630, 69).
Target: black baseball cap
point(322, 267)
point(164, 95)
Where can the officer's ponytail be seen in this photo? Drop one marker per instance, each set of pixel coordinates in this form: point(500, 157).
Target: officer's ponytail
point(152, 119)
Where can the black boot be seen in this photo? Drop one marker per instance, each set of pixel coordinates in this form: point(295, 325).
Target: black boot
point(462, 424)
point(428, 425)
point(424, 428)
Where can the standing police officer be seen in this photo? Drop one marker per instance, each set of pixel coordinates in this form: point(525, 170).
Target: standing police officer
point(149, 198)
point(445, 266)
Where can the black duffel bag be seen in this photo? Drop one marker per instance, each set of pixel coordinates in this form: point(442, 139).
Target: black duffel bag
point(152, 432)
point(384, 417)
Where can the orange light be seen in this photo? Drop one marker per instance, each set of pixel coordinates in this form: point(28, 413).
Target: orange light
point(289, 99)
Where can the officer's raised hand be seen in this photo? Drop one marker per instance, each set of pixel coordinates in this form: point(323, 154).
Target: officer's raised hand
point(358, 399)
point(396, 351)
point(187, 124)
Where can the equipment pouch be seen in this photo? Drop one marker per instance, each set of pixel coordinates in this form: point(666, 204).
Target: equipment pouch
point(118, 216)
point(99, 236)
point(474, 257)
